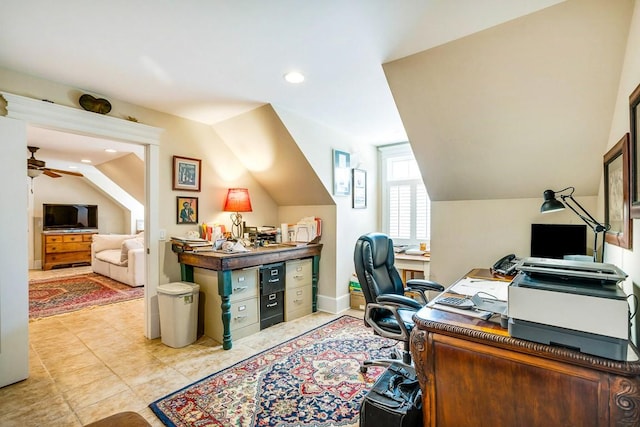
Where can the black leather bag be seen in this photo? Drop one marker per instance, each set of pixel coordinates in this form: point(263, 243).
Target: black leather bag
point(394, 400)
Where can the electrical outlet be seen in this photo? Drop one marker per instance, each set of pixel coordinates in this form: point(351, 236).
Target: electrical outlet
point(163, 235)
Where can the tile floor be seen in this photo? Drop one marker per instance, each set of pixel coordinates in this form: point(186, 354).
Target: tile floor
point(92, 363)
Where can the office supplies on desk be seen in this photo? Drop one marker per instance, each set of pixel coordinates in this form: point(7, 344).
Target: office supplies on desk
point(469, 286)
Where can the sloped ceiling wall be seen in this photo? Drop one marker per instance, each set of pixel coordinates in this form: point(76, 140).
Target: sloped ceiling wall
point(127, 172)
point(265, 147)
point(518, 108)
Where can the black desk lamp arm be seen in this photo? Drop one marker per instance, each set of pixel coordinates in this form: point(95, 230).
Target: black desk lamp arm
point(591, 221)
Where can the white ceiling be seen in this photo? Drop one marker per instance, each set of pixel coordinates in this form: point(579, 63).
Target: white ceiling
point(208, 60)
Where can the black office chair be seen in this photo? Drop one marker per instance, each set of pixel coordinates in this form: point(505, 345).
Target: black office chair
point(388, 311)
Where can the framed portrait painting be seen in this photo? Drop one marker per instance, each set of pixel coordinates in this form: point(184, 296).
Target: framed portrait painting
point(186, 210)
point(617, 194)
point(186, 173)
point(634, 152)
point(341, 173)
point(359, 188)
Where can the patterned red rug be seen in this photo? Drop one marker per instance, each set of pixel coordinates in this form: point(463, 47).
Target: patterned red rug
point(311, 380)
point(56, 296)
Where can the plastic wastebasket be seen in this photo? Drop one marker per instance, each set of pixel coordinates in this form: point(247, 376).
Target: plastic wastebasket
point(178, 304)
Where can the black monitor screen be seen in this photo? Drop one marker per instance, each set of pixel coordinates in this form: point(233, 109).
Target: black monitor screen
point(558, 240)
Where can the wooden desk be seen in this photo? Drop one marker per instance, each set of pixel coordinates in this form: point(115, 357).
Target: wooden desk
point(224, 263)
point(473, 373)
point(412, 263)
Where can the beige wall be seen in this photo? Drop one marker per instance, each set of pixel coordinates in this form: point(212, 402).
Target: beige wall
point(628, 260)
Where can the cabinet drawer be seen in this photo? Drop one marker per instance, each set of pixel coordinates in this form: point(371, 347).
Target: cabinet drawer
point(243, 313)
point(67, 258)
point(87, 237)
point(299, 273)
point(68, 247)
point(272, 278)
point(244, 284)
point(299, 298)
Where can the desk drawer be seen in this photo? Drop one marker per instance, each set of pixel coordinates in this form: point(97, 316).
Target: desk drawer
point(299, 273)
point(244, 284)
point(272, 278)
point(243, 313)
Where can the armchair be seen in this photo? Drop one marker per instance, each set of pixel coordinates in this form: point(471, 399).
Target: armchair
point(388, 310)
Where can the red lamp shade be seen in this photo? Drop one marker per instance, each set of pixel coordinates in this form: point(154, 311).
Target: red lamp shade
point(237, 200)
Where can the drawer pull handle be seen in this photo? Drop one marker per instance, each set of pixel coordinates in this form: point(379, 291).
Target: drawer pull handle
point(240, 318)
point(298, 292)
point(240, 289)
point(298, 277)
point(297, 301)
point(275, 304)
point(274, 280)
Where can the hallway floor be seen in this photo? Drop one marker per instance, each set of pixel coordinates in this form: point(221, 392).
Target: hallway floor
point(92, 363)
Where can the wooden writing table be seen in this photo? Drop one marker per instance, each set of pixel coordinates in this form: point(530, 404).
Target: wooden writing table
point(473, 373)
point(224, 263)
point(412, 263)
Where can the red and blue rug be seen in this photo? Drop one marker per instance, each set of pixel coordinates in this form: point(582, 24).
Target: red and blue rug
point(311, 380)
point(57, 296)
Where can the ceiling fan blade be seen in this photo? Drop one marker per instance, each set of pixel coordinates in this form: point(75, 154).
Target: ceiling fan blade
point(62, 171)
point(51, 174)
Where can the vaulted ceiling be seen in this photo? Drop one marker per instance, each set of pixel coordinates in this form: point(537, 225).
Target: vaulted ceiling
point(499, 98)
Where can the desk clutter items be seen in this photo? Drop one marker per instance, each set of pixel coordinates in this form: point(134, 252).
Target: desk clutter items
point(394, 400)
point(308, 230)
point(484, 297)
point(572, 304)
point(190, 244)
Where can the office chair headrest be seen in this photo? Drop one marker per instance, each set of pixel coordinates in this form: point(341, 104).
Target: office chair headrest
point(380, 244)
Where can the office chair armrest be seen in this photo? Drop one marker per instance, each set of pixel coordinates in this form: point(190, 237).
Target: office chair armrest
point(421, 286)
point(428, 285)
point(400, 301)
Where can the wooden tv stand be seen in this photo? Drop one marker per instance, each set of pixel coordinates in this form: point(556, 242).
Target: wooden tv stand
point(66, 248)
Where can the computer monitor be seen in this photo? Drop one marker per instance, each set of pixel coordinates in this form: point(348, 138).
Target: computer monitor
point(558, 240)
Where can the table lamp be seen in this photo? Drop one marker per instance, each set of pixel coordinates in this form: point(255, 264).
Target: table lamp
point(551, 204)
point(237, 201)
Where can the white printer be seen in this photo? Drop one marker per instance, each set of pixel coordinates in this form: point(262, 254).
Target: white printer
point(573, 304)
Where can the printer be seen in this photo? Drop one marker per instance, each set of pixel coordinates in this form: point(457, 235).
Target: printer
point(572, 304)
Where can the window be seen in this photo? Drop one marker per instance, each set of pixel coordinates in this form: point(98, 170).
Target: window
point(406, 208)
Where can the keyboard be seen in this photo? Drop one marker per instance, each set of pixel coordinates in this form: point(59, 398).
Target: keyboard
point(457, 302)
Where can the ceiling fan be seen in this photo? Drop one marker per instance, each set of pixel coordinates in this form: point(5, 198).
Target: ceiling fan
point(37, 167)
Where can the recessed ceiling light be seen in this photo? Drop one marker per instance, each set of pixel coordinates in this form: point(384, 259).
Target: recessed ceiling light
point(294, 77)
point(85, 161)
point(73, 167)
point(110, 150)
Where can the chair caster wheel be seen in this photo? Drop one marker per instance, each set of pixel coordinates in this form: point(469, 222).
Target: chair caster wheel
point(363, 369)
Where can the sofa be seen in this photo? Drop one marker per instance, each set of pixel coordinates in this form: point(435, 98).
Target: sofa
point(120, 257)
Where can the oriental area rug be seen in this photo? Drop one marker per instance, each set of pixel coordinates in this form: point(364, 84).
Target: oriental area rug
point(49, 297)
point(311, 380)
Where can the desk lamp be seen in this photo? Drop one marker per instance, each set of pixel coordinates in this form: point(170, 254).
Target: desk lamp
point(551, 204)
point(237, 201)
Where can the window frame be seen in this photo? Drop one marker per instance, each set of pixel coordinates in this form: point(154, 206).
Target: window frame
point(385, 153)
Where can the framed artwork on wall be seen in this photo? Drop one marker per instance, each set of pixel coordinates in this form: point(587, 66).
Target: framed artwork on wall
point(359, 178)
point(186, 210)
point(186, 173)
point(616, 194)
point(634, 152)
point(341, 173)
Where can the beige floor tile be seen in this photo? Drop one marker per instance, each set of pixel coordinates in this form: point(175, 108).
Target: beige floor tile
point(95, 362)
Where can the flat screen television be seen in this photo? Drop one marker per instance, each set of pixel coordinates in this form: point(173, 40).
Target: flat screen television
point(558, 240)
point(63, 217)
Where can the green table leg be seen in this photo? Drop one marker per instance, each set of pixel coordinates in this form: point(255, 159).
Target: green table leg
point(186, 273)
point(225, 290)
point(315, 275)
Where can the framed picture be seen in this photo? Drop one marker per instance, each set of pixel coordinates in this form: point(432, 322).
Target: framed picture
point(359, 178)
point(634, 152)
point(186, 210)
point(616, 194)
point(186, 174)
point(341, 173)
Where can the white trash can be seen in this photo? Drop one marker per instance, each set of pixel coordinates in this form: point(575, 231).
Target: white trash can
point(178, 304)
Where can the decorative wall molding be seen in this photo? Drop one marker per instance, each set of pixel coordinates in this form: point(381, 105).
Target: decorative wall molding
point(53, 116)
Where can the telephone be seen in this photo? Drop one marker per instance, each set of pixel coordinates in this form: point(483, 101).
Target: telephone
point(506, 265)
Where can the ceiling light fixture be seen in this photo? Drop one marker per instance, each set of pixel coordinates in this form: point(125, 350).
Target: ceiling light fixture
point(85, 161)
point(110, 150)
point(294, 77)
